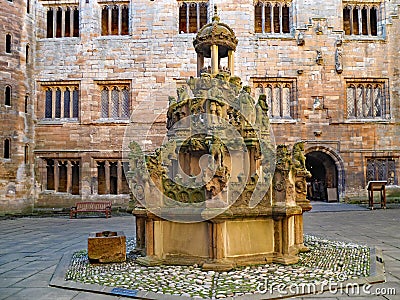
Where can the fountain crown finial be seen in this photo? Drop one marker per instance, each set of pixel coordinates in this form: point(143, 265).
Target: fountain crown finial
point(215, 17)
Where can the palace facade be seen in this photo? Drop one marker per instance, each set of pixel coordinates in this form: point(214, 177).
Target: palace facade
point(73, 71)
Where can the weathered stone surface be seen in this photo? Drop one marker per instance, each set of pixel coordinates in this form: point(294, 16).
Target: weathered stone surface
point(107, 247)
point(154, 55)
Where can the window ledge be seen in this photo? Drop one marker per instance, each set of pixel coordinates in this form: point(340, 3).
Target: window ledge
point(382, 121)
point(110, 195)
point(364, 38)
point(280, 36)
point(57, 121)
point(107, 121)
point(63, 39)
point(53, 192)
point(281, 120)
point(114, 37)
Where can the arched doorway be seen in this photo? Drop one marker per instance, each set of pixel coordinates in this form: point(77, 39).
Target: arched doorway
point(323, 184)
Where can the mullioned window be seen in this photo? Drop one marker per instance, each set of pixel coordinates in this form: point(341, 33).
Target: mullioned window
point(192, 15)
point(61, 101)
point(62, 21)
point(367, 99)
point(115, 101)
point(272, 17)
point(280, 96)
point(361, 19)
point(382, 169)
point(115, 18)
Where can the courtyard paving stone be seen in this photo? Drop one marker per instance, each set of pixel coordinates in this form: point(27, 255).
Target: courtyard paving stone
point(32, 247)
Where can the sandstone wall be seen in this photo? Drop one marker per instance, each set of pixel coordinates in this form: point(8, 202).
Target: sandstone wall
point(154, 56)
point(16, 176)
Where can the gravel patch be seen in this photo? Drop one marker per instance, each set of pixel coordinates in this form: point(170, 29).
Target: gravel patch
point(327, 261)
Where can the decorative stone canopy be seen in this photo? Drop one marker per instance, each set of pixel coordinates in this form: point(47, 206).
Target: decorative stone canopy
point(215, 33)
point(215, 40)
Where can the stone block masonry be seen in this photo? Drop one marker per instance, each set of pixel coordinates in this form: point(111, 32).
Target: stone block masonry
point(154, 55)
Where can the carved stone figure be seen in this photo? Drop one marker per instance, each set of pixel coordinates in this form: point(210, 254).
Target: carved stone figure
point(191, 83)
point(213, 111)
point(247, 105)
point(196, 145)
point(170, 112)
point(283, 158)
point(236, 82)
point(168, 153)
point(196, 105)
point(262, 112)
point(216, 149)
point(214, 92)
point(319, 58)
point(299, 159)
point(317, 105)
point(203, 84)
point(339, 60)
point(182, 93)
point(300, 39)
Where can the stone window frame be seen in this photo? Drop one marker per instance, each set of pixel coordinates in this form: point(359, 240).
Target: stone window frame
point(7, 95)
point(108, 105)
point(381, 168)
point(7, 148)
point(115, 24)
point(111, 179)
point(8, 43)
point(58, 102)
point(362, 20)
point(276, 89)
point(27, 53)
point(187, 22)
point(26, 103)
point(362, 103)
point(62, 175)
point(26, 154)
point(56, 24)
point(267, 23)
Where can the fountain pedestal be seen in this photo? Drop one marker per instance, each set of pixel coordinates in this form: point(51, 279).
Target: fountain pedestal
point(218, 193)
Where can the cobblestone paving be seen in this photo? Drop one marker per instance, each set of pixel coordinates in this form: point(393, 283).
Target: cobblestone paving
point(327, 261)
point(30, 249)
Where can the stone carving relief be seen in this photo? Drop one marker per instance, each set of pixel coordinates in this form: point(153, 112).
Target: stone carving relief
point(339, 60)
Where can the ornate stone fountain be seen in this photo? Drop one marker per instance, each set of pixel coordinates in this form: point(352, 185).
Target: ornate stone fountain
point(218, 193)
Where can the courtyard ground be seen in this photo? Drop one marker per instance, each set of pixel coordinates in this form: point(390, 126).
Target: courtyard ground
point(30, 248)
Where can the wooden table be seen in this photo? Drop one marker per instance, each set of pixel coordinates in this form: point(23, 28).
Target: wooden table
point(376, 186)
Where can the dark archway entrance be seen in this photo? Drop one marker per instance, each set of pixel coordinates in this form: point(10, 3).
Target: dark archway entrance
point(323, 185)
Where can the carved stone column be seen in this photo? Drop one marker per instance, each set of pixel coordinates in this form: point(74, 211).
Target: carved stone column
point(214, 59)
point(300, 174)
point(149, 229)
point(69, 177)
point(107, 175)
point(119, 177)
point(56, 174)
point(200, 63)
point(231, 62)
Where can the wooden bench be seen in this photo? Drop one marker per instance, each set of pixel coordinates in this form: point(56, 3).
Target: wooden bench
point(103, 206)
